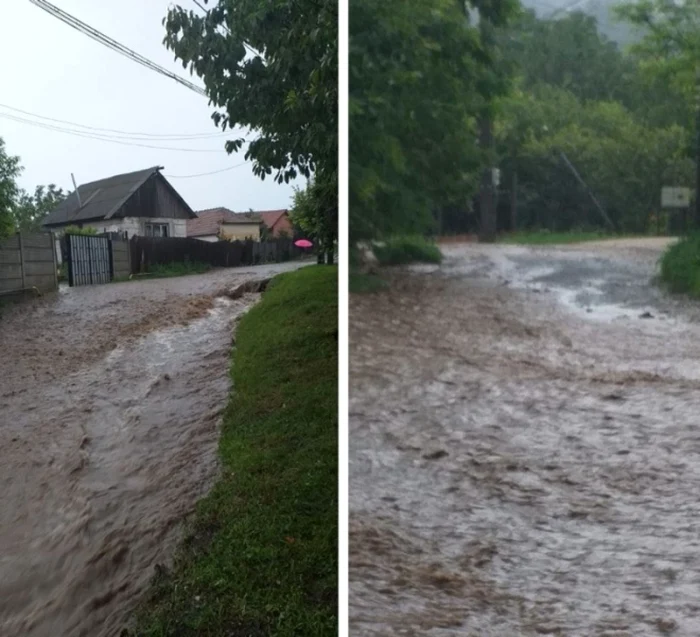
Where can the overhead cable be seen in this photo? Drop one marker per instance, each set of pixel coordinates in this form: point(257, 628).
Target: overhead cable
point(113, 44)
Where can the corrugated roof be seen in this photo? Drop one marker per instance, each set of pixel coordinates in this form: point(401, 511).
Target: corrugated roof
point(100, 199)
point(208, 221)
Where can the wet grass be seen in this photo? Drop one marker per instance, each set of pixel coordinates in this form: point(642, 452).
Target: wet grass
point(680, 266)
point(360, 283)
point(404, 250)
point(177, 268)
point(260, 557)
point(552, 238)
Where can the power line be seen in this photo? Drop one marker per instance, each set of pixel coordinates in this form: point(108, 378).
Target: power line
point(125, 134)
point(213, 172)
point(100, 37)
point(104, 138)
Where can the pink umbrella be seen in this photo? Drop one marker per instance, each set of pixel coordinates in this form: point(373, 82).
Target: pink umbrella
point(303, 243)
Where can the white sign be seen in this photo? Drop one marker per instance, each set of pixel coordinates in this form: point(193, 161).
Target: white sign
point(673, 197)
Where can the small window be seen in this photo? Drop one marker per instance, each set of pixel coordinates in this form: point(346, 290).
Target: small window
point(157, 230)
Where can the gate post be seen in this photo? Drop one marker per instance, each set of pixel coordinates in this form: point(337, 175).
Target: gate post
point(69, 258)
point(111, 259)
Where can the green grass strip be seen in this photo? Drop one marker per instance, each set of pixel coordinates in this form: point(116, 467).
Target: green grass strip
point(261, 555)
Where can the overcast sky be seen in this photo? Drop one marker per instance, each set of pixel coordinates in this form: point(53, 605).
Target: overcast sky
point(52, 70)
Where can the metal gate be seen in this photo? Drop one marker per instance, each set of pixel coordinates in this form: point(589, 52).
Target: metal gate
point(89, 259)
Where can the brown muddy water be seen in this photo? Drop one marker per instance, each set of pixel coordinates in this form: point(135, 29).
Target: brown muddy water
point(525, 448)
point(110, 401)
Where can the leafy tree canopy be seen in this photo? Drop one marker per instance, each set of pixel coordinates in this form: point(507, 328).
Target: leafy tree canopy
point(10, 169)
point(420, 73)
point(30, 210)
point(270, 67)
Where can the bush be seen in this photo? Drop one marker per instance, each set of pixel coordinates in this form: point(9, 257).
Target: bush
point(680, 266)
point(402, 250)
point(76, 230)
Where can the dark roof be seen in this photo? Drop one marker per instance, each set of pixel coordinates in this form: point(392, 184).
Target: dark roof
point(100, 199)
point(209, 221)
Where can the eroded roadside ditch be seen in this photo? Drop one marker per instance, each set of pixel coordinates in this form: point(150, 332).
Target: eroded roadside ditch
point(100, 465)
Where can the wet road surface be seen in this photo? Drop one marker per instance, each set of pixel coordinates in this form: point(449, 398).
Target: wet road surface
point(525, 449)
point(110, 399)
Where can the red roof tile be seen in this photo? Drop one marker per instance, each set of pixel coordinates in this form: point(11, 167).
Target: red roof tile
point(208, 221)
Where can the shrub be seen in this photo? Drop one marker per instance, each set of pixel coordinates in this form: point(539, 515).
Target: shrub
point(76, 230)
point(680, 266)
point(402, 250)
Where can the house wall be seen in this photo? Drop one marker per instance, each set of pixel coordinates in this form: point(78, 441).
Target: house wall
point(136, 226)
point(241, 231)
point(155, 198)
point(212, 238)
point(283, 225)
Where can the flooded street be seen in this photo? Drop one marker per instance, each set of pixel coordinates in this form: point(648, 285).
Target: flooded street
point(110, 401)
point(524, 447)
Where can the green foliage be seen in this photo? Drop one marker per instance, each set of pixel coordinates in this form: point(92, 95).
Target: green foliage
point(270, 67)
point(10, 169)
point(86, 230)
point(420, 74)
point(680, 266)
point(261, 556)
point(670, 47)
point(177, 268)
point(624, 161)
point(403, 250)
point(30, 210)
point(315, 213)
point(364, 283)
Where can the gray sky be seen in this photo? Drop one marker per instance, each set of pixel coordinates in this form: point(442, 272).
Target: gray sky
point(52, 70)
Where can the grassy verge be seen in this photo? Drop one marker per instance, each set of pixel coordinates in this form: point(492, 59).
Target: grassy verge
point(177, 268)
point(680, 266)
point(403, 250)
point(260, 557)
point(361, 283)
point(547, 238)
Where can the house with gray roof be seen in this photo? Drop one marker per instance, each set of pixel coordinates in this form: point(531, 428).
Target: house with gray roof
point(139, 203)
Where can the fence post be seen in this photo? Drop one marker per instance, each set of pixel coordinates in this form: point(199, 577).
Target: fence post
point(21, 261)
point(52, 241)
point(111, 259)
point(69, 257)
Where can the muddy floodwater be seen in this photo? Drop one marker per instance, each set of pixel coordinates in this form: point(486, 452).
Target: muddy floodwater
point(110, 401)
point(525, 447)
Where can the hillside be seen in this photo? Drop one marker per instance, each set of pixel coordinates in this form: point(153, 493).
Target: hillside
point(602, 10)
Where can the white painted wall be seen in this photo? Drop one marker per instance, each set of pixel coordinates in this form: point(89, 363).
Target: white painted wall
point(136, 226)
point(211, 238)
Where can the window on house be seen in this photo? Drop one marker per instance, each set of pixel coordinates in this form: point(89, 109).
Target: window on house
point(157, 230)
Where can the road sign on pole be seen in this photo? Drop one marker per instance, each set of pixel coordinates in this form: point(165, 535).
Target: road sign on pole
point(675, 197)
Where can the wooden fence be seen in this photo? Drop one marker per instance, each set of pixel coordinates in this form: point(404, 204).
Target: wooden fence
point(149, 251)
point(28, 261)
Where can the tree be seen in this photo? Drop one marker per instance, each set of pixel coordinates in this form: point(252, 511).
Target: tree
point(31, 210)
point(318, 196)
point(10, 169)
point(625, 161)
point(670, 47)
point(270, 67)
point(419, 75)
